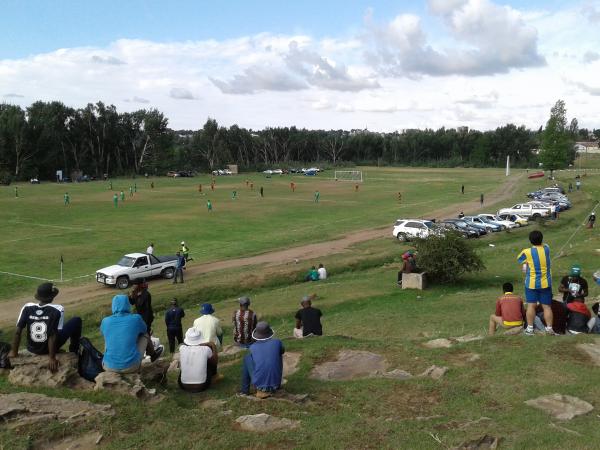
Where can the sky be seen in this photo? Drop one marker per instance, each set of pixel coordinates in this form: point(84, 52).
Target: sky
point(330, 64)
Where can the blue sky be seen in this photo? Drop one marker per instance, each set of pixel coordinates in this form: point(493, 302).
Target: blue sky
point(383, 64)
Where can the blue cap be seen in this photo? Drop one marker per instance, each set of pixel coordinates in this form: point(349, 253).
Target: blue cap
point(206, 308)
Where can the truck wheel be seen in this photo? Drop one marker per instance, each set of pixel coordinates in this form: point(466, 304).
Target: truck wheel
point(536, 216)
point(122, 282)
point(168, 273)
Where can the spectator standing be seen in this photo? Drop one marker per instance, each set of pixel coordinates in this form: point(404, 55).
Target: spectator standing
point(317, 196)
point(509, 310)
point(141, 298)
point(179, 266)
point(578, 184)
point(209, 326)
point(262, 192)
point(308, 320)
point(462, 189)
point(481, 199)
point(322, 272)
point(244, 322)
point(150, 249)
point(173, 317)
point(591, 220)
point(198, 362)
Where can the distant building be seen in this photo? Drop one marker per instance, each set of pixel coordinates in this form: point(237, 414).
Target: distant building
point(586, 147)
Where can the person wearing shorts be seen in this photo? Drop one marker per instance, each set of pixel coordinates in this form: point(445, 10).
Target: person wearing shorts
point(538, 280)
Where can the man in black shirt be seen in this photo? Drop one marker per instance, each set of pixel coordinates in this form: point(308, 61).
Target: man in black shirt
point(173, 317)
point(308, 319)
point(573, 285)
point(46, 332)
point(142, 300)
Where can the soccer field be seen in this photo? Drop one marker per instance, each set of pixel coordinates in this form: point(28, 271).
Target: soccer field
point(36, 228)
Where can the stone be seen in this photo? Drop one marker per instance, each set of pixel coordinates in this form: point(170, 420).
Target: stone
point(435, 372)
point(127, 384)
point(154, 372)
point(25, 409)
point(562, 407)
point(397, 374)
point(32, 370)
point(350, 364)
point(280, 395)
point(230, 350)
point(591, 350)
point(264, 423)
point(468, 338)
point(290, 363)
point(438, 343)
point(82, 442)
point(484, 442)
point(414, 281)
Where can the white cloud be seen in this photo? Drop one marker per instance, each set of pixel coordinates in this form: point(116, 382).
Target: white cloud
point(590, 56)
point(111, 60)
point(13, 95)
point(180, 93)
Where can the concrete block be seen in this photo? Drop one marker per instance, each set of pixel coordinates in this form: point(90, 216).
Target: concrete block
point(413, 281)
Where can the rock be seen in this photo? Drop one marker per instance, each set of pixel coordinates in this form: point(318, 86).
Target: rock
point(32, 370)
point(562, 407)
point(435, 372)
point(264, 423)
point(438, 343)
point(154, 372)
point(350, 364)
point(212, 403)
point(230, 350)
point(281, 395)
point(414, 281)
point(484, 442)
point(591, 350)
point(173, 366)
point(128, 384)
point(85, 441)
point(290, 363)
point(25, 409)
point(397, 374)
point(469, 338)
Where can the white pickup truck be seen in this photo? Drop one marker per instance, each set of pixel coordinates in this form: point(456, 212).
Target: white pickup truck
point(529, 210)
point(136, 266)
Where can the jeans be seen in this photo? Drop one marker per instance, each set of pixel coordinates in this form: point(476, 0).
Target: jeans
point(178, 274)
point(247, 371)
point(71, 331)
point(172, 334)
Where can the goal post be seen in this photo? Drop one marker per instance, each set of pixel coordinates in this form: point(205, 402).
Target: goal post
point(349, 175)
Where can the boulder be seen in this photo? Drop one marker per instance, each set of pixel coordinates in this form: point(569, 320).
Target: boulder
point(290, 363)
point(264, 423)
point(397, 374)
point(32, 370)
point(435, 372)
point(438, 343)
point(128, 384)
point(469, 338)
point(591, 350)
point(562, 407)
point(24, 409)
point(154, 372)
point(350, 364)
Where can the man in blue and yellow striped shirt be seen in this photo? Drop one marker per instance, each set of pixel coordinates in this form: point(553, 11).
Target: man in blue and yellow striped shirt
point(538, 280)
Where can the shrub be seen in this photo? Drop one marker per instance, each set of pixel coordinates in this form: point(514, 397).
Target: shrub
point(446, 257)
point(5, 177)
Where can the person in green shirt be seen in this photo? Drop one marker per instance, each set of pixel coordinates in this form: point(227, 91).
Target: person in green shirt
point(131, 191)
point(67, 199)
point(16, 192)
point(116, 199)
point(233, 195)
point(209, 205)
point(122, 196)
point(312, 275)
point(317, 195)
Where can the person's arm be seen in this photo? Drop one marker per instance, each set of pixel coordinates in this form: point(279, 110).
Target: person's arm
point(53, 363)
point(584, 287)
point(498, 309)
point(562, 286)
point(522, 257)
point(282, 350)
point(214, 359)
point(14, 350)
point(298, 318)
point(167, 317)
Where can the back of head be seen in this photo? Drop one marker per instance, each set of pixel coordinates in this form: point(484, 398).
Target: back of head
point(320, 266)
point(507, 287)
point(120, 304)
point(306, 301)
point(575, 270)
point(536, 237)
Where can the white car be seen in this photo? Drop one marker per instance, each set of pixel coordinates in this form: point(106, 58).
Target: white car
point(526, 210)
point(136, 266)
point(507, 223)
point(520, 221)
point(405, 229)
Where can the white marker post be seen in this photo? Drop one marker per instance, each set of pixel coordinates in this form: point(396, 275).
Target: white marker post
point(507, 165)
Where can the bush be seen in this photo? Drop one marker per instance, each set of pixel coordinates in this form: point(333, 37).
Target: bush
point(5, 177)
point(446, 257)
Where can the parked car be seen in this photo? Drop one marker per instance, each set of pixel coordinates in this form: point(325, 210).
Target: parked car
point(136, 266)
point(464, 231)
point(406, 229)
point(495, 219)
point(489, 226)
point(520, 221)
point(34, 181)
point(526, 210)
point(480, 230)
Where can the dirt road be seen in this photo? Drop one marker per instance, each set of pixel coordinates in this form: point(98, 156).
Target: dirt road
point(90, 292)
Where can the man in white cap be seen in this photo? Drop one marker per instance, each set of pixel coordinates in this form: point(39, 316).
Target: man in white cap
point(197, 361)
point(263, 365)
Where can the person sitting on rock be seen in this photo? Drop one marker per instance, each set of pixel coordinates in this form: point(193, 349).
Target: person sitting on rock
point(198, 362)
point(578, 317)
point(209, 326)
point(263, 365)
point(308, 320)
point(125, 339)
point(408, 266)
point(509, 312)
point(244, 323)
point(46, 330)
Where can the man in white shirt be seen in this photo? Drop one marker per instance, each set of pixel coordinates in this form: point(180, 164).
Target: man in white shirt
point(322, 272)
point(209, 326)
point(197, 361)
point(150, 249)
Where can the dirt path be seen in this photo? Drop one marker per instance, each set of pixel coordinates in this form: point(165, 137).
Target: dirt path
point(90, 292)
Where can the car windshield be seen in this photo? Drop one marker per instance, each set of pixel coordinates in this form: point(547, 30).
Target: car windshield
point(428, 224)
point(126, 261)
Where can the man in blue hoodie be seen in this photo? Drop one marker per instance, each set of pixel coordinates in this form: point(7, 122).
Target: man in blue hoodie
point(125, 339)
point(263, 366)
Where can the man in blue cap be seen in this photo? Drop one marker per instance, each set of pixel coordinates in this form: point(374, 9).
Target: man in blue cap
point(263, 365)
point(209, 326)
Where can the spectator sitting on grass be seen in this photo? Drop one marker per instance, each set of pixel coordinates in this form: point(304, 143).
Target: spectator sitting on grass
point(263, 365)
point(578, 317)
point(125, 339)
point(559, 317)
point(595, 320)
point(308, 320)
point(198, 363)
point(509, 310)
point(322, 272)
point(209, 326)
point(312, 275)
point(244, 323)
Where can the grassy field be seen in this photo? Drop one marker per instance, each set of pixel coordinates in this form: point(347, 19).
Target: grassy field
point(363, 309)
point(36, 228)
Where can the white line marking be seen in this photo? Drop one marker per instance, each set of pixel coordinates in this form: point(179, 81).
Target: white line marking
point(50, 226)
point(24, 276)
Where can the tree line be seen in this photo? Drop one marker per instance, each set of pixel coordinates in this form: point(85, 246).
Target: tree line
point(97, 139)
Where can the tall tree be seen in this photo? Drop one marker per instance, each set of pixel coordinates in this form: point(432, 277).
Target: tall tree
point(556, 141)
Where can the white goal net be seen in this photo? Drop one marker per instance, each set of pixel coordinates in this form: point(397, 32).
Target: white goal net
point(349, 175)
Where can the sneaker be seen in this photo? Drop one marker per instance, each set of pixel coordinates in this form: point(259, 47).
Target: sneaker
point(551, 332)
point(157, 352)
point(528, 333)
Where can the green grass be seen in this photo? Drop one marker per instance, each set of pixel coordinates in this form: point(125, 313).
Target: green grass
point(363, 309)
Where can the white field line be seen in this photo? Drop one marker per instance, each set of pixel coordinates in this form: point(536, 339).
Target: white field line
point(19, 275)
point(51, 226)
point(42, 236)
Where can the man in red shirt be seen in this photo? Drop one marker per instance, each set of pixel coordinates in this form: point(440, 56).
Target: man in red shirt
point(509, 310)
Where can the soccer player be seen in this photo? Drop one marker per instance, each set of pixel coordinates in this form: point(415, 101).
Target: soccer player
point(538, 280)
point(116, 200)
point(209, 205)
point(122, 196)
point(293, 186)
point(233, 195)
point(131, 191)
point(67, 198)
point(317, 195)
point(16, 192)
point(200, 188)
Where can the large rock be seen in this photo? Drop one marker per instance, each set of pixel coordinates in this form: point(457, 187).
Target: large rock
point(438, 343)
point(154, 372)
point(290, 363)
point(435, 372)
point(127, 384)
point(414, 281)
point(32, 370)
point(592, 350)
point(562, 407)
point(264, 423)
point(25, 408)
point(350, 364)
